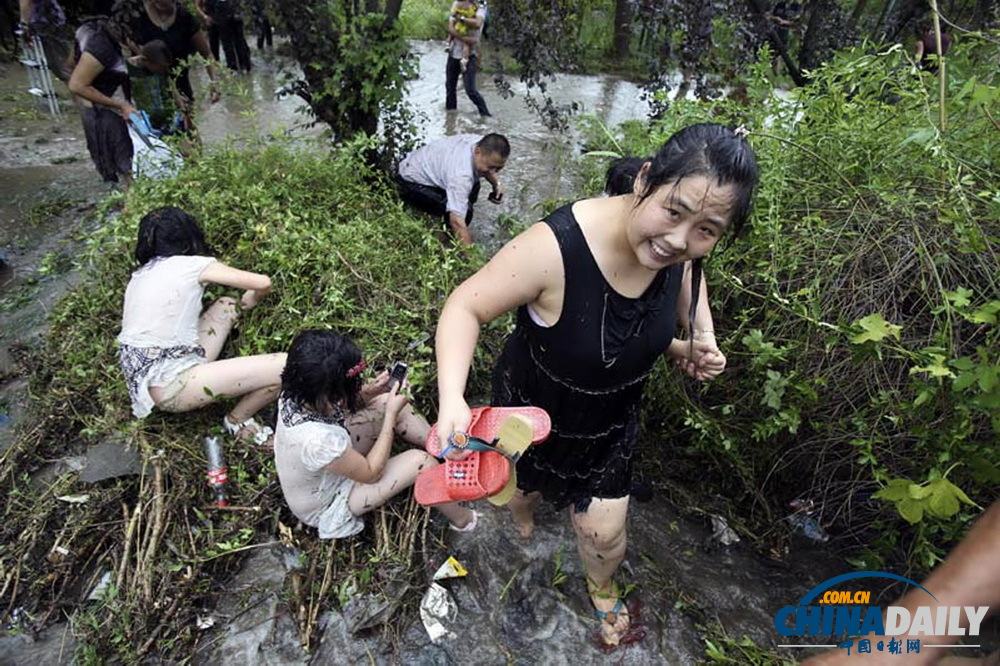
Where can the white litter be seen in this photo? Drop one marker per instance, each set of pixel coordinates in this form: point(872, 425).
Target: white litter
point(437, 606)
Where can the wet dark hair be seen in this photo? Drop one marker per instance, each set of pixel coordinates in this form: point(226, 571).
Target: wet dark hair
point(167, 232)
point(714, 151)
point(620, 177)
point(317, 367)
point(157, 52)
point(495, 143)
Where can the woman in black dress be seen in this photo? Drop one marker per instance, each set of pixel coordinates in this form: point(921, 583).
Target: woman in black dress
point(600, 287)
point(169, 22)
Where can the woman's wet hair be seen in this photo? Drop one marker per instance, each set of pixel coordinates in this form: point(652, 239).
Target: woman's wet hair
point(717, 152)
point(168, 232)
point(317, 367)
point(620, 177)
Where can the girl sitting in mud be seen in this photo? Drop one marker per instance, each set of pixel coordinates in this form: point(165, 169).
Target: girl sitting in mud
point(334, 436)
point(169, 347)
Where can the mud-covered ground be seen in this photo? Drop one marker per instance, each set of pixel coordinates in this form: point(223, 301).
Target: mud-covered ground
point(48, 192)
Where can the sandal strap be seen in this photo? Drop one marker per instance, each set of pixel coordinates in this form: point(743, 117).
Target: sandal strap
point(613, 613)
point(481, 445)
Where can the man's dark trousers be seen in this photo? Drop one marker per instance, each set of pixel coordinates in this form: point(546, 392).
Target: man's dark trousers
point(433, 200)
point(452, 72)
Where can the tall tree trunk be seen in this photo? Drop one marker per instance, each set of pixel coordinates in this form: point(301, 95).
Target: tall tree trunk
point(623, 30)
point(859, 8)
point(764, 15)
point(826, 31)
point(311, 32)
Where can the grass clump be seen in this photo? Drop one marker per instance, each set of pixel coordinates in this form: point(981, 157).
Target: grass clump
point(342, 253)
point(424, 19)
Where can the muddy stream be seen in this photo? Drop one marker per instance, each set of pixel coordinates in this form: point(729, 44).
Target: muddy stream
point(522, 602)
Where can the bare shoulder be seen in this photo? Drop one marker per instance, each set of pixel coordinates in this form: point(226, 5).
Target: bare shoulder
point(533, 250)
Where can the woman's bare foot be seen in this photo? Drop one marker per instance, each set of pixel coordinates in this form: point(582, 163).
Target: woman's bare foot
point(611, 611)
point(525, 527)
point(522, 508)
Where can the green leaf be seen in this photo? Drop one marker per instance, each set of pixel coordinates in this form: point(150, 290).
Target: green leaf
point(936, 367)
point(919, 492)
point(964, 381)
point(986, 314)
point(911, 510)
point(987, 377)
point(960, 495)
point(943, 503)
point(960, 297)
point(895, 491)
point(921, 137)
point(875, 328)
point(963, 363)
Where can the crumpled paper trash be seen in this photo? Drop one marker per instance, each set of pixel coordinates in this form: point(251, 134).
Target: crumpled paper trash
point(437, 607)
point(451, 568)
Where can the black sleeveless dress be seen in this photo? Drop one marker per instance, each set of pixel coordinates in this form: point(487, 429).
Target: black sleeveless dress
point(588, 372)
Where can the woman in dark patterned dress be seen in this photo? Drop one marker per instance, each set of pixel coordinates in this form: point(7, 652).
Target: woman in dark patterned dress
point(600, 287)
point(100, 80)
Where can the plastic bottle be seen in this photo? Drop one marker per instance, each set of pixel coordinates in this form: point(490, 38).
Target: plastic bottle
point(217, 474)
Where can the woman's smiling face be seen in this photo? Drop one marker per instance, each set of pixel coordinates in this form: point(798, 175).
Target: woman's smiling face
point(679, 221)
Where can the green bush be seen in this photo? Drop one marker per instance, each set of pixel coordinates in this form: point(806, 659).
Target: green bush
point(343, 253)
point(859, 315)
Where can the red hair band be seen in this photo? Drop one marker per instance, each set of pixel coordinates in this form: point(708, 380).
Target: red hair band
point(356, 370)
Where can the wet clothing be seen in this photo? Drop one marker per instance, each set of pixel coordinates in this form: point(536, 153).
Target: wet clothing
point(159, 336)
point(304, 444)
point(178, 38)
point(453, 70)
point(93, 38)
point(441, 177)
point(227, 29)
point(104, 128)
point(587, 371)
point(108, 142)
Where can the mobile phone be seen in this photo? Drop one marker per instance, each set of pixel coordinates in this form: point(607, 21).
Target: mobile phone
point(494, 197)
point(397, 374)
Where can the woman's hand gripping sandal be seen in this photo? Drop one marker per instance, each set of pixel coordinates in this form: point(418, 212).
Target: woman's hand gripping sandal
point(497, 437)
point(614, 622)
point(258, 434)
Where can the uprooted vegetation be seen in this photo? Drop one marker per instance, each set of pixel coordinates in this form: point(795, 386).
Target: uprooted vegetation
point(342, 253)
point(859, 316)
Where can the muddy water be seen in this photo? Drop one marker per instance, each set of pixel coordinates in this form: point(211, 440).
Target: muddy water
point(514, 608)
point(539, 168)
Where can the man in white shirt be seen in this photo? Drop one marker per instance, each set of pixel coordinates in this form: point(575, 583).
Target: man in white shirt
point(442, 178)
